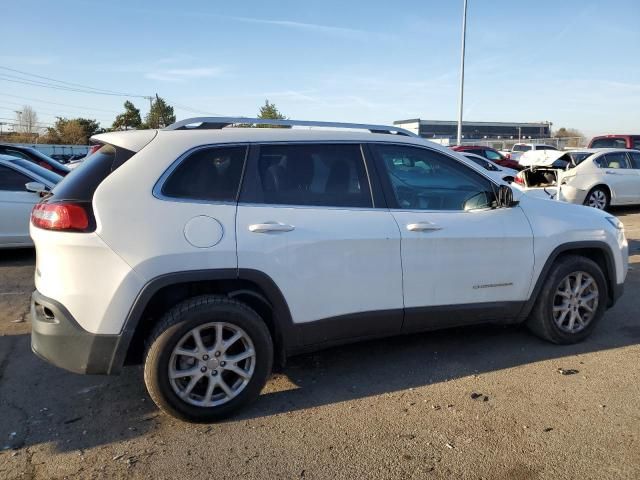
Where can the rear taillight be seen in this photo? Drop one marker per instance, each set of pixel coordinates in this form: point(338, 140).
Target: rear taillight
point(519, 180)
point(507, 156)
point(70, 217)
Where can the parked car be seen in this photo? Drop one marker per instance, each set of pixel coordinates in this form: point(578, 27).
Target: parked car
point(616, 141)
point(519, 148)
point(605, 177)
point(35, 156)
point(504, 174)
point(490, 154)
point(21, 185)
point(222, 251)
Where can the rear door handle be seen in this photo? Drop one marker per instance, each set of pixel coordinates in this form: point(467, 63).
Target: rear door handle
point(270, 227)
point(423, 227)
point(612, 173)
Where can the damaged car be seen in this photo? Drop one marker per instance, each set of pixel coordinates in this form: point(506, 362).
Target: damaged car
point(597, 178)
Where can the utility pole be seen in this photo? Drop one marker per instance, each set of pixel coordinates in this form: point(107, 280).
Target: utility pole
point(19, 118)
point(461, 98)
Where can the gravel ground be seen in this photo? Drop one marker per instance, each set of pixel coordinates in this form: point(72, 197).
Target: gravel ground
point(402, 407)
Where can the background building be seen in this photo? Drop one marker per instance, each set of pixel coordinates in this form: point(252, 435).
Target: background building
point(446, 131)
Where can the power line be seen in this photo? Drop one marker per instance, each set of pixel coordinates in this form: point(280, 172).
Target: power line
point(55, 103)
point(84, 87)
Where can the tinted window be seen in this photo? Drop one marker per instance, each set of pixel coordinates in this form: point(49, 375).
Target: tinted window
point(491, 155)
point(635, 159)
point(208, 174)
point(422, 179)
point(38, 170)
point(545, 147)
point(578, 157)
point(609, 143)
point(12, 180)
point(486, 164)
point(613, 160)
point(322, 175)
point(636, 143)
point(521, 148)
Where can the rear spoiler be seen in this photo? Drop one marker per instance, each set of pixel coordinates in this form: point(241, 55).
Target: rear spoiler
point(132, 140)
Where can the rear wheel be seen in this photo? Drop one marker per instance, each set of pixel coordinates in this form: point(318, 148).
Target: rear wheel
point(208, 357)
point(598, 198)
point(571, 302)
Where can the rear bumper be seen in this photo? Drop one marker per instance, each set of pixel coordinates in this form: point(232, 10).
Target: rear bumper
point(59, 339)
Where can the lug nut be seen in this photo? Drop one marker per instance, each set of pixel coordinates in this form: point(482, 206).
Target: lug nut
point(223, 363)
point(214, 373)
point(217, 354)
point(203, 369)
point(205, 357)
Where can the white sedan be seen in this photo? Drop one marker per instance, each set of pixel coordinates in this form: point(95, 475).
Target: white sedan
point(597, 177)
point(22, 185)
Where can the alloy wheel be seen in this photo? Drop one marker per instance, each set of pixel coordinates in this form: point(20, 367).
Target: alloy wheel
point(575, 302)
point(597, 199)
point(212, 364)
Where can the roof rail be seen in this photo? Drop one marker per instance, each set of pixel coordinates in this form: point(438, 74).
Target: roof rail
point(207, 123)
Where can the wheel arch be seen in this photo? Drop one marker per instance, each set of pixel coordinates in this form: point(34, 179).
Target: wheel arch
point(599, 252)
point(602, 186)
point(252, 287)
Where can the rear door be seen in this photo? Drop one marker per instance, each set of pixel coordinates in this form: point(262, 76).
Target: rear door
point(620, 177)
point(634, 158)
point(15, 207)
point(307, 218)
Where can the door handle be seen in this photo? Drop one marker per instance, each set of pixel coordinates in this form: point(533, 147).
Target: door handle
point(423, 227)
point(270, 227)
point(611, 173)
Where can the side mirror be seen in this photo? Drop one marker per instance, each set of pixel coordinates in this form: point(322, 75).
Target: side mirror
point(35, 187)
point(505, 197)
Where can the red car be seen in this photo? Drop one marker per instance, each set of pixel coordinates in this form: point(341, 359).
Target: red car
point(616, 141)
point(490, 154)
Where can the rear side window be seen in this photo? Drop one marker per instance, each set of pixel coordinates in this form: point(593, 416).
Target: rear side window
point(609, 143)
point(13, 181)
point(545, 147)
point(316, 175)
point(636, 143)
point(613, 160)
point(211, 174)
point(635, 160)
point(82, 182)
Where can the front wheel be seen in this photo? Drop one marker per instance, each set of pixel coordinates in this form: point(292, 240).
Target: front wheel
point(598, 198)
point(206, 358)
point(572, 301)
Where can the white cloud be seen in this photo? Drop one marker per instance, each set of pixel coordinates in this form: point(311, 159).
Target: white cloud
point(184, 74)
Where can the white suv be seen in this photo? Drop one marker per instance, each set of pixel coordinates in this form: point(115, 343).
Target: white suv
point(211, 253)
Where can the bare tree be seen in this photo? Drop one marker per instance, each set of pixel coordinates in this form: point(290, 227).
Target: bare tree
point(27, 120)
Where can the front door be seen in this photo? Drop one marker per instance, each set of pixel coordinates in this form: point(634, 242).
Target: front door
point(16, 204)
point(307, 219)
point(463, 261)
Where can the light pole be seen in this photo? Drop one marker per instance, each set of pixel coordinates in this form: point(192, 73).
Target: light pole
point(461, 98)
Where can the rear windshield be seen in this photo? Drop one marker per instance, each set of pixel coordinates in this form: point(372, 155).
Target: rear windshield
point(545, 147)
point(609, 143)
point(521, 148)
point(82, 182)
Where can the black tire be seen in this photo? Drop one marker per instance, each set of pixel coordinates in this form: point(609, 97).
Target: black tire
point(175, 324)
point(541, 321)
point(598, 191)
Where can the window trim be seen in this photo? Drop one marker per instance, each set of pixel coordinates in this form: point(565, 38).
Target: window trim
point(251, 179)
point(389, 194)
point(158, 186)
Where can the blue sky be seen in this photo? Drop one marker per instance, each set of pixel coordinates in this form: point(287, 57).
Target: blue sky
point(571, 62)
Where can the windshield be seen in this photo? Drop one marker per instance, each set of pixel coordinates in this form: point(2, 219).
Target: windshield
point(486, 164)
point(38, 170)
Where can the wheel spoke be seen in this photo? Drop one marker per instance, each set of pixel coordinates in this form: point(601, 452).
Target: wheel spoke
point(560, 320)
point(572, 320)
point(238, 371)
point(578, 283)
point(227, 343)
point(184, 373)
point(192, 383)
point(219, 341)
point(241, 356)
point(187, 353)
point(587, 307)
point(200, 348)
point(210, 387)
point(226, 388)
point(586, 285)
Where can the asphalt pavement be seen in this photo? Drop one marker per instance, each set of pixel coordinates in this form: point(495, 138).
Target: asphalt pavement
point(482, 402)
